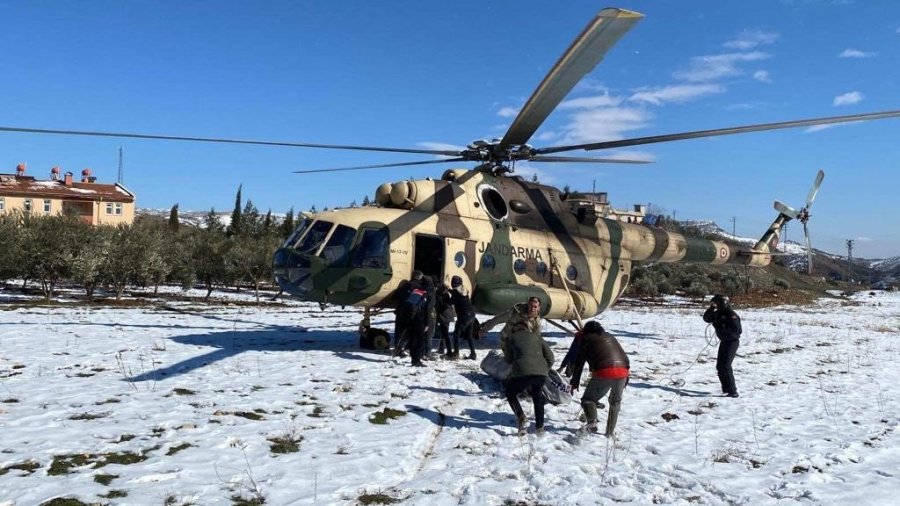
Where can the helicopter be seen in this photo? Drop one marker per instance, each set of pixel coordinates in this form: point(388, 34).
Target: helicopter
point(508, 239)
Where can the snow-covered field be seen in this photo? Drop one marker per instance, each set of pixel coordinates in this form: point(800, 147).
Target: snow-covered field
point(182, 403)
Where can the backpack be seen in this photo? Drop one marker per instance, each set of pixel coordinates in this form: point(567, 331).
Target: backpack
point(416, 301)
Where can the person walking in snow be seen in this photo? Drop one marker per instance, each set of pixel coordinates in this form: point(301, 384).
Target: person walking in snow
point(728, 329)
point(443, 306)
point(609, 374)
point(530, 361)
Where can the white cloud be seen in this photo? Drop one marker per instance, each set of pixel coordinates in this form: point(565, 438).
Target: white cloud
point(850, 98)
point(819, 128)
point(712, 67)
point(762, 76)
point(855, 53)
point(676, 93)
point(751, 39)
point(508, 112)
point(594, 125)
point(591, 102)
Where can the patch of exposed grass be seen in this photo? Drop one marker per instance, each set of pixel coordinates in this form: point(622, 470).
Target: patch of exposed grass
point(124, 458)
point(28, 466)
point(288, 442)
point(237, 500)
point(111, 400)
point(125, 437)
point(105, 479)
point(10, 400)
point(183, 391)
point(89, 416)
point(64, 501)
point(382, 417)
point(317, 412)
point(18, 366)
point(63, 463)
point(377, 498)
point(113, 494)
point(177, 448)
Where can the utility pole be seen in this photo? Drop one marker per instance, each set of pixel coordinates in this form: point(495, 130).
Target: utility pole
point(121, 179)
point(733, 225)
point(850, 260)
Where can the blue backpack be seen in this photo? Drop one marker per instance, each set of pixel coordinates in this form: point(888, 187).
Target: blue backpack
point(416, 301)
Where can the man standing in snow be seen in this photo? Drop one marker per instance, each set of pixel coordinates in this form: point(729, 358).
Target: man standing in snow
point(728, 329)
point(465, 318)
point(530, 360)
point(609, 373)
point(412, 317)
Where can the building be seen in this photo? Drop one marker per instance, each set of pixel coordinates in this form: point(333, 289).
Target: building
point(597, 204)
point(95, 203)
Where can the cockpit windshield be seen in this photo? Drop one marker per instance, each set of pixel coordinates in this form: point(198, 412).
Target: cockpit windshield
point(302, 227)
point(315, 237)
point(335, 252)
point(372, 249)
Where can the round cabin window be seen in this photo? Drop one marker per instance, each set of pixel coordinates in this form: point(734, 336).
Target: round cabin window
point(519, 266)
point(571, 273)
point(488, 262)
point(459, 259)
point(541, 269)
point(493, 202)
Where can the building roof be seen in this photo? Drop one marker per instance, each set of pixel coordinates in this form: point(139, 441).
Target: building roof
point(12, 185)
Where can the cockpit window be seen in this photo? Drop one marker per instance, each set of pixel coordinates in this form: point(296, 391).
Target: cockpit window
point(372, 249)
point(315, 237)
point(302, 227)
point(335, 252)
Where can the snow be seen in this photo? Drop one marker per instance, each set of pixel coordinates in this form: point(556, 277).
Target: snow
point(816, 421)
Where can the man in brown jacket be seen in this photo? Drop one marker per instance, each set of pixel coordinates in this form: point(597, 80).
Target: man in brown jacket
point(609, 373)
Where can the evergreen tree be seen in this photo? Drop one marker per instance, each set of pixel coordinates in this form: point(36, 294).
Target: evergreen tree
point(534, 178)
point(312, 209)
point(267, 223)
point(353, 204)
point(366, 202)
point(173, 218)
point(235, 226)
point(287, 226)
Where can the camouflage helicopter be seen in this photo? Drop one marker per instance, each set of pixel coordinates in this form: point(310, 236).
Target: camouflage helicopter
point(507, 238)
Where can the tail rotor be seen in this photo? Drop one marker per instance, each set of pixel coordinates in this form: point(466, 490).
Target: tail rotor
point(802, 215)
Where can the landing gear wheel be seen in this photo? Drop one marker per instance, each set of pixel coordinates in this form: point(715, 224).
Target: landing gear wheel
point(374, 339)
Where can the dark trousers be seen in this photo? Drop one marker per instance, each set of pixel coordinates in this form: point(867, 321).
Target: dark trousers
point(534, 386)
point(429, 335)
point(415, 332)
point(443, 329)
point(727, 351)
point(465, 327)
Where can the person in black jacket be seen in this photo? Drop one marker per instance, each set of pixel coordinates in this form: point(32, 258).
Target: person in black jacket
point(443, 306)
point(728, 329)
point(530, 360)
point(609, 373)
point(465, 318)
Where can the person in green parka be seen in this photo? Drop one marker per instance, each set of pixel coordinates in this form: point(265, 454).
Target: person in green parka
point(530, 360)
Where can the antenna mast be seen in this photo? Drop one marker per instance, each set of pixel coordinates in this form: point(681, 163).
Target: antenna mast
point(121, 179)
point(850, 260)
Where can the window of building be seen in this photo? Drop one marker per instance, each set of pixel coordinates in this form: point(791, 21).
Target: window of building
point(109, 208)
point(26, 205)
point(118, 209)
point(47, 206)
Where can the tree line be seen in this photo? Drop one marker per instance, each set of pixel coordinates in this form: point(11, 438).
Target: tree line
point(53, 250)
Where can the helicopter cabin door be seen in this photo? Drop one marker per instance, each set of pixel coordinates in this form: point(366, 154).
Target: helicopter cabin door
point(428, 255)
point(458, 256)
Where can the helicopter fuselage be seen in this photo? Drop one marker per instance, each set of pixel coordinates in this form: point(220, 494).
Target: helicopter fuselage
point(508, 239)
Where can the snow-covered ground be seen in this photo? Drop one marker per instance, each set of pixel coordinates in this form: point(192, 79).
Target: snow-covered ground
point(179, 403)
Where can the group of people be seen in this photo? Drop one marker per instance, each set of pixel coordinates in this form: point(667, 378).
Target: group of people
point(529, 356)
point(426, 307)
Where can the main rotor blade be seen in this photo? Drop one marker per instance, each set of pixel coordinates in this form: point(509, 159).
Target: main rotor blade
point(361, 167)
point(638, 141)
point(580, 58)
point(786, 210)
point(226, 141)
point(815, 188)
point(577, 159)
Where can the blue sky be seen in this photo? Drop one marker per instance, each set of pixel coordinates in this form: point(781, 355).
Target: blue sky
point(406, 74)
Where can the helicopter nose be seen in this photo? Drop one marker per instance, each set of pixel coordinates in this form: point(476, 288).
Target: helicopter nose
point(292, 271)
